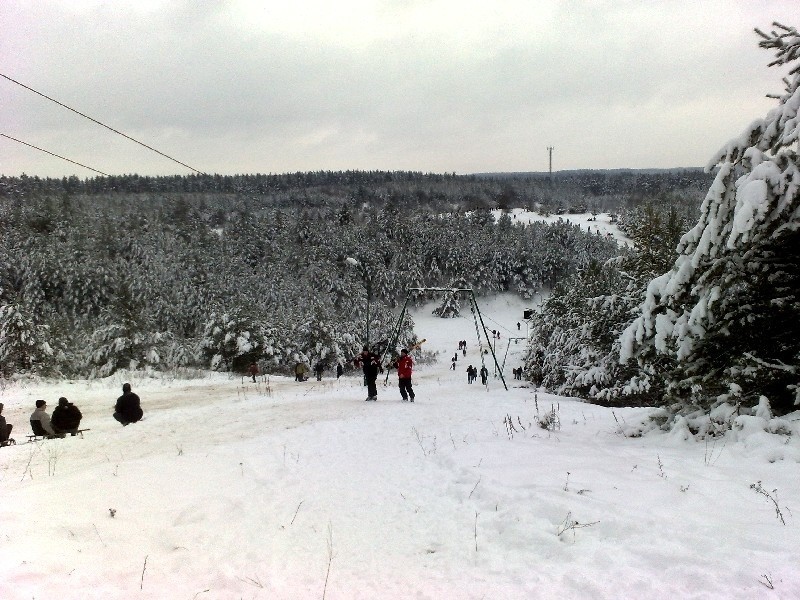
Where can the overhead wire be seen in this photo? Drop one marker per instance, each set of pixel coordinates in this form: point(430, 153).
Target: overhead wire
point(488, 318)
point(74, 162)
point(99, 123)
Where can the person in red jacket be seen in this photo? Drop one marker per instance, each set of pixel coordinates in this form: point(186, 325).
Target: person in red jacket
point(404, 364)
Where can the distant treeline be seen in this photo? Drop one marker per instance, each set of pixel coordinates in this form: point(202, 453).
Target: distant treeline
point(578, 191)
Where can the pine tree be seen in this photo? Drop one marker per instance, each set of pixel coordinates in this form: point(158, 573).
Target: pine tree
point(24, 345)
point(725, 319)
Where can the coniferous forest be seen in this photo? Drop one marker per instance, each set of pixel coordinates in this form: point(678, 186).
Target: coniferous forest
point(168, 272)
point(701, 316)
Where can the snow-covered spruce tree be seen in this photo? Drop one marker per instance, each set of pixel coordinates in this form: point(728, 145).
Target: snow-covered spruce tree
point(24, 346)
point(449, 308)
point(322, 340)
point(572, 337)
point(231, 341)
point(727, 315)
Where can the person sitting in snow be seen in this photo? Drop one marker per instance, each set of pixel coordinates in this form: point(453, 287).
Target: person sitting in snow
point(128, 408)
point(5, 429)
point(66, 417)
point(40, 421)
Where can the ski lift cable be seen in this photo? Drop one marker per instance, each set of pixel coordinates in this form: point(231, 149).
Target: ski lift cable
point(101, 124)
point(478, 333)
point(74, 162)
point(488, 318)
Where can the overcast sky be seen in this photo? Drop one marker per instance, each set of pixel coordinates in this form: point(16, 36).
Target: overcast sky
point(426, 85)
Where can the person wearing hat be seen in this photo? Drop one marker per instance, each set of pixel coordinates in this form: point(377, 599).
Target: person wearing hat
point(66, 417)
point(5, 429)
point(404, 365)
point(371, 364)
point(128, 408)
point(40, 421)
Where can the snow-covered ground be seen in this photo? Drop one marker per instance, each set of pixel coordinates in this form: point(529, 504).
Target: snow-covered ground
point(601, 224)
point(229, 489)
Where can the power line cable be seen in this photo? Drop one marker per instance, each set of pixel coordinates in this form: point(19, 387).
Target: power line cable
point(101, 124)
point(54, 154)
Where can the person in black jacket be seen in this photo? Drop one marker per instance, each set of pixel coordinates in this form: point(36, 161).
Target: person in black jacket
point(66, 417)
point(371, 363)
point(5, 429)
point(128, 407)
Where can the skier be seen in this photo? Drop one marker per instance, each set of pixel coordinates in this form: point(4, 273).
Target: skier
point(318, 369)
point(371, 364)
point(470, 374)
point(404, 365)
point(339, 370)
point(484, 374)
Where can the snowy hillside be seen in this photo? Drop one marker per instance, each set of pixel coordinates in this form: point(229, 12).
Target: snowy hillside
point(600, 223)
point(229, 489)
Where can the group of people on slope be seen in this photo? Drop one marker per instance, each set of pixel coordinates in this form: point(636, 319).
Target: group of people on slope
point(472, 374)
point(300, 371)
point(370, 363)
point(66, 417)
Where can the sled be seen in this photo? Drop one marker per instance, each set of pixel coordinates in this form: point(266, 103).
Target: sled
point(35, 437)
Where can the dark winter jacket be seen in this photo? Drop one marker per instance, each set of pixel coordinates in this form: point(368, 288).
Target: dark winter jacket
point(3, 429)
point(129, 407)
point(66, 417)
point(370, 363)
